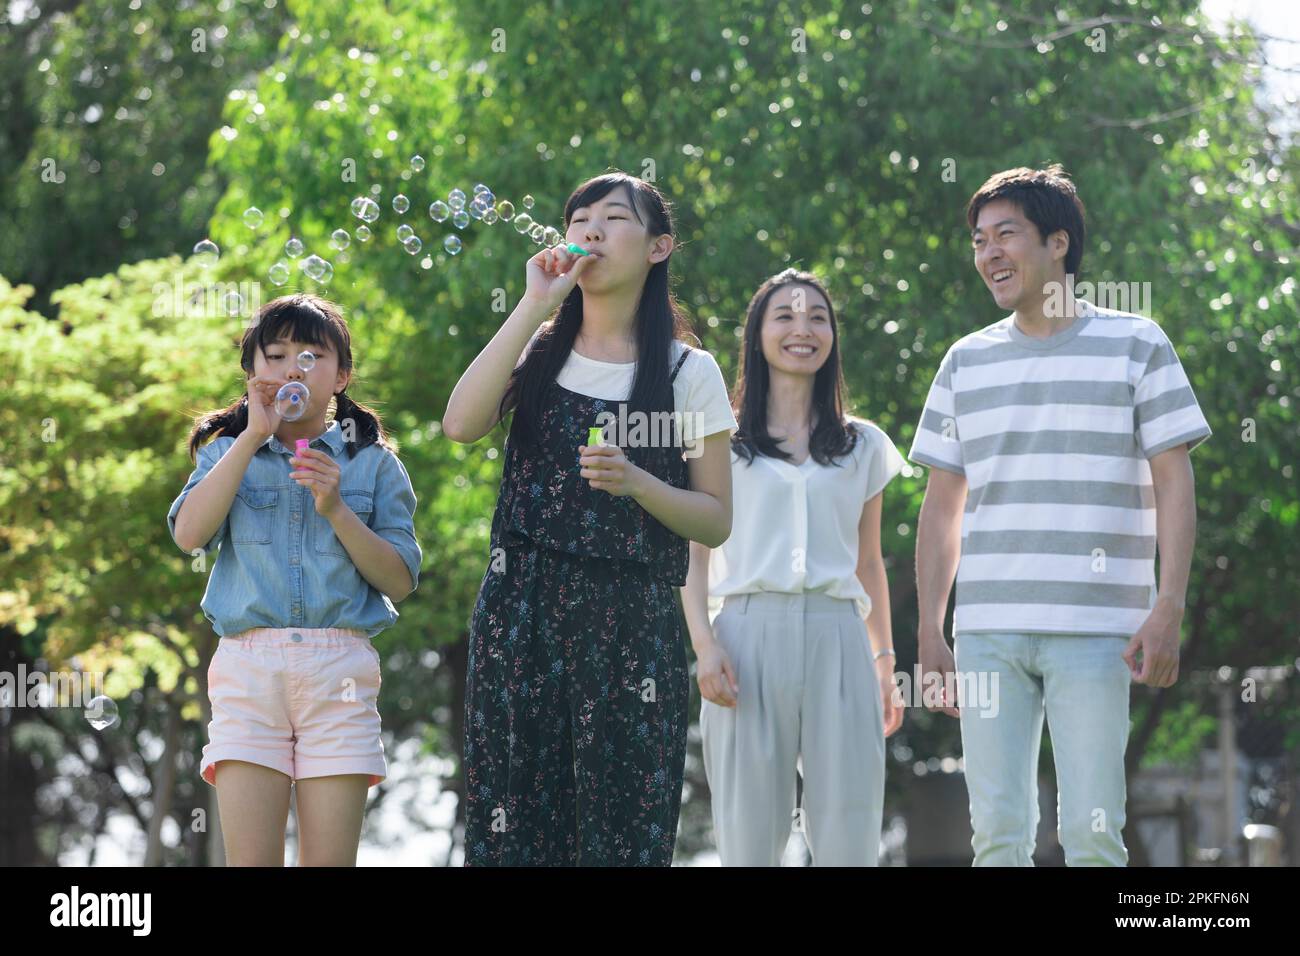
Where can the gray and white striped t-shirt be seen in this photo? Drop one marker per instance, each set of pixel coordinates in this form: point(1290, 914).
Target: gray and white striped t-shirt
point(1053, 435)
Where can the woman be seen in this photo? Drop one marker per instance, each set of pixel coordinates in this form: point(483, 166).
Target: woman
point(796, 670)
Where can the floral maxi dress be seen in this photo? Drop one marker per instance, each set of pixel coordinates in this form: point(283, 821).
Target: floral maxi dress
point(577, 688)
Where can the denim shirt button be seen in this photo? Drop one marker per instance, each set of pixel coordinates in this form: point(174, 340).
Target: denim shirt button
point(297, 638)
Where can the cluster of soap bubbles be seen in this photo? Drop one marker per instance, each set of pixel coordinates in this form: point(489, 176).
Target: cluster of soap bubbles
point(483, 206)
point(292, 398)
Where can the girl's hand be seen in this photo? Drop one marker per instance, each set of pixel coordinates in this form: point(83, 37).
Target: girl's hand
point(890, 694)
point(609, 470)
point(716, 675)
point(552, 274)
point(318, 472)
point(263, 419)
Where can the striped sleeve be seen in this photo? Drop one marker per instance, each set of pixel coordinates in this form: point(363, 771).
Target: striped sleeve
point(1166, 413)
point(936, 443)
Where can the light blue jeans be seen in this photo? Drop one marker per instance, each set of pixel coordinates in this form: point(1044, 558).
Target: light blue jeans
point(1082, 683)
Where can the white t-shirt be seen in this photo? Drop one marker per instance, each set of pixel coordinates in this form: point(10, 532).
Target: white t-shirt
point(794, 527)
point(699, 391)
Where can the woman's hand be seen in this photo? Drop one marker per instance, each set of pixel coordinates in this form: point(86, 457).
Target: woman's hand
point(890, 694)
point(552, 273)
point(263, 419)
point(318, 472)
point(716, 675)
point(609, 470)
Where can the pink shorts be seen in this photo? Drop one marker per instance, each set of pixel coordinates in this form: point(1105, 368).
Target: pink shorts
point(299, 700)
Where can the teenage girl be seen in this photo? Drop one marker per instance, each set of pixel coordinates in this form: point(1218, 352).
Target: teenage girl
point(316, 546)
point(576, 703)
point(796, 670)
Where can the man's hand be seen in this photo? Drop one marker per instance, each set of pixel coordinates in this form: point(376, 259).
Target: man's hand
point(938, 674)
point(1158, 640)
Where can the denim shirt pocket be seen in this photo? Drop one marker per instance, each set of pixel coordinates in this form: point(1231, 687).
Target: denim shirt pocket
point(362, 504)
point(252, 515)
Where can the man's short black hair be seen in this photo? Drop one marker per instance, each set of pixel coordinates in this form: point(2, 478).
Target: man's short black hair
point(1047, 198)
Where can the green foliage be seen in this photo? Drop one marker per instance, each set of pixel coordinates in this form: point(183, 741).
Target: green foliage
point(819, 136)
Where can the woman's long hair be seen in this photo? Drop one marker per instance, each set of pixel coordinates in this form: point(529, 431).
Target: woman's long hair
point(311, 320)
point(659, 320)
point(832, 437)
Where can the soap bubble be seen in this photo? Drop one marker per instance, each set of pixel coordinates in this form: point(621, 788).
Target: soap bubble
point(460, 219)
point(306, 360)
point(401, 203)
point(404, 232)
point(452, 244)
point(490, 216)
point(233, 303)
point(293, 248)
point(523, 222)
point(551, 236)
point(439, 211)
point(506, 210)
point(526, 202)
point(456, 199)
point(278, 273)
point(363, 207)
point(417, 163)
point(340, 239)
point(363, 233)
point(314, 266)
point(291, 401)
point(101, 712)
point(480, 188)
point(207, 253)
point(413, 245)
point(252, 217)
point(537, 233)
point(476, 209)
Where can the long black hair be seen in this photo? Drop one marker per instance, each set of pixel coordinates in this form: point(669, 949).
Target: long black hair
point(832, 437)
point(311, 320)
point(659, 319)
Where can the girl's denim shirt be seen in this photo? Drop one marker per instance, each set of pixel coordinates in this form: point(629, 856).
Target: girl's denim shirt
point(280, 563)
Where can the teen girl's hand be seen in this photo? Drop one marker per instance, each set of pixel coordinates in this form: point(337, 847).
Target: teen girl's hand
point(263, 419)
point(609, 470)
point(319, 473)
point(552, 274)
point(716, 675)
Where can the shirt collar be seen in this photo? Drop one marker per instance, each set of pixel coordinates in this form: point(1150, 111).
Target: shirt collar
point(1084, 311)
point(332, 437)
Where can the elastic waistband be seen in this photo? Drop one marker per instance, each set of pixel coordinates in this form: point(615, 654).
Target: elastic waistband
point(803, 601)
point(316, 636)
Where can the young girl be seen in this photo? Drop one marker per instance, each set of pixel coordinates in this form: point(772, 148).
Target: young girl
point(576, 700)
point(316, 547)
point(785, 671)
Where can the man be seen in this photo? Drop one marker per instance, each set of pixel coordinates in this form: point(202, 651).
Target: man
point(1058, 442)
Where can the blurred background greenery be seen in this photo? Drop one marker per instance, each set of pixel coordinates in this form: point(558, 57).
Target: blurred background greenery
point(839, 137)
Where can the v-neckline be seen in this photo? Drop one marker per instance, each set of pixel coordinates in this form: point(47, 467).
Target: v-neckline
point(799, 467)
